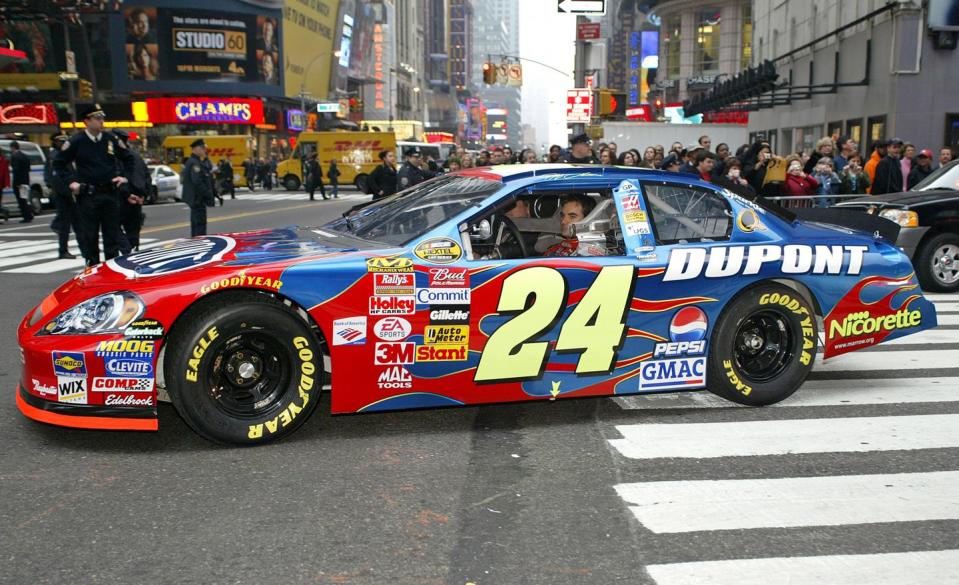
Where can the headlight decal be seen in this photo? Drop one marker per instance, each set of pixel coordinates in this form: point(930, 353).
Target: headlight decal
point(107, 313)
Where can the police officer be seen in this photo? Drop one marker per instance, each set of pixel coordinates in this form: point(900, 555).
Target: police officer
point(20, 169)
point(93, 163)
point(382, 181)
point(130, 198)
point(410, 173)
point(580, 151)
point(197, 178)
point(64, 200)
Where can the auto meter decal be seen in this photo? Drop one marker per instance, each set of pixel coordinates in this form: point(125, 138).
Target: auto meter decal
point(438, 250)
point(176, 257)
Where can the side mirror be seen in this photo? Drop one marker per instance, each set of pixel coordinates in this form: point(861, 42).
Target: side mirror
point(482, 230)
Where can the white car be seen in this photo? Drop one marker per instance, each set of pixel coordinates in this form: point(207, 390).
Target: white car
point(166, 184)
point(40, 195)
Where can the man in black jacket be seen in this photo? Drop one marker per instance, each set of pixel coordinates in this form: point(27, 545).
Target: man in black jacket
point(921, 168)
point(889, 170)
point(197, 178)
point(382, 181)
point(580, 151)
point(20, 169)
point(314, 176)
point(131, 198)
point(66, 217)
point(411, 173)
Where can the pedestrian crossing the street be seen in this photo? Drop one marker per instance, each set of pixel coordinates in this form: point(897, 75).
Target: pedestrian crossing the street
point(841, 474)
point(297, 196)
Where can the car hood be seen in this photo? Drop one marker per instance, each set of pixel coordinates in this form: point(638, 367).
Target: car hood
point(906, 199)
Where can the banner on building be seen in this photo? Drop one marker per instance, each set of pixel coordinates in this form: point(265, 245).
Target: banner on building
point(204, 110)
point(309, 30)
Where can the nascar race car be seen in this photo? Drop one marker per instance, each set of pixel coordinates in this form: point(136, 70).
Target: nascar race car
point(488, 285)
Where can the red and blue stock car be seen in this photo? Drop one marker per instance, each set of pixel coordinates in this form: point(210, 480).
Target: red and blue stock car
point(467, 289)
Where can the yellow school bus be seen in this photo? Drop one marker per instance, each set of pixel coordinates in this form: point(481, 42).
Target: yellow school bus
point(237, 148)
point(356, 154)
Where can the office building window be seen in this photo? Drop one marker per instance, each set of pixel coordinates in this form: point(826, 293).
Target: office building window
point(706, 57)
point(673, 27)
point(747, 12)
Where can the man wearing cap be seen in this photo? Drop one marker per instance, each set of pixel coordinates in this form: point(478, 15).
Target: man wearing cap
point(131, 196)
point(580, 151)
point(689, 164)
point(66, 204)
point(197, 178)
point(411, 173)
point(922, 168)
point(878, 153)
point(20, 169)
point(93, 163)
point(382, 181)
point(888, 177)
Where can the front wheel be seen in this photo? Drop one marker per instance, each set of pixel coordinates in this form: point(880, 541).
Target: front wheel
point(937, 263)
point(244, 369)
point(763, 346)
point(291, 182)
point(361, 182)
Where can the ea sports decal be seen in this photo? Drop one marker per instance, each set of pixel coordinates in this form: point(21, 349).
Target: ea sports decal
point(439, 250)
point(176, 257)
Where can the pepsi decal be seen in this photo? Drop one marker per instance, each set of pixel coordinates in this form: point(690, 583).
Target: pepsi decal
point(687, 334)
point(178, 256)
point(687, 342)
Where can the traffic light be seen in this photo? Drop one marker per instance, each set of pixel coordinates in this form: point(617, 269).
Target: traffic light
point(611, 103)
point(85, 88)
point(489, 74)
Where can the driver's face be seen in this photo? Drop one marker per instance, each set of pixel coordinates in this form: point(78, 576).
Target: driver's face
point(521, 209)
point(571, 213)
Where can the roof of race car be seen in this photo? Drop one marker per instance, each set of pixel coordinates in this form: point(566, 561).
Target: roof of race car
point(512, 172)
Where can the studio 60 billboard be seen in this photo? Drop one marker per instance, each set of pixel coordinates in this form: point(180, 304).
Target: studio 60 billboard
point(164, 44)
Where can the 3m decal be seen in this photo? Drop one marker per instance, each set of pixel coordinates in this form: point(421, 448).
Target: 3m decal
point(400, 283)
point(69, 363)
point(122, 385)
point(441, 353)
point(71, 389)
point(349, 331)
point(241, 280)
point(126, 348)
point(447, 334)
point(395, 378)
point(175, 257)
point(669, 374)
point(306, 385)
point(449, 277)
point(393, 305)
point(392, 329)
point(389, 265)
point(128, 368)
point(595, 328)
point(393, 354)
point(193, 364)
point(722, 261)
point(438, 250)
point(687, 334)
point(144, 329)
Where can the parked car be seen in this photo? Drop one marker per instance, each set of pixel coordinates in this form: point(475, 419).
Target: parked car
point(40, 194)
point(929, 218)
point(468, 289)
point(166, 184)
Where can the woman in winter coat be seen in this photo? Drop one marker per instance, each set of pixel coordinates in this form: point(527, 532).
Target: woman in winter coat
point(798, 183)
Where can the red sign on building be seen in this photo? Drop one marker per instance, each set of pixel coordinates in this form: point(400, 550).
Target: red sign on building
point(28, 114)
point(205, 111)
point(587, 31)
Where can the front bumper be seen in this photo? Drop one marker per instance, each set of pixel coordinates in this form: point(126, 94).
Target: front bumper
point(104, 418)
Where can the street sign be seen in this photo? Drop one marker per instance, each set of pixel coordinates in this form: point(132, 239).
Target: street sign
point(579, 106)
point(581, 6)
point(587, 31)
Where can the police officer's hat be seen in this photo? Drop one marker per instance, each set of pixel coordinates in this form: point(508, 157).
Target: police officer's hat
point(58, 137)
point(198, 142)
point(121, 134)
point(91, 111)
point(412, 152)
point(579, 139)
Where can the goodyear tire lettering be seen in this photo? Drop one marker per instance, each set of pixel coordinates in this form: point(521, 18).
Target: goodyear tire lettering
point(744, 389)
point(793, 305)
point(306, 385)
point(193, 364)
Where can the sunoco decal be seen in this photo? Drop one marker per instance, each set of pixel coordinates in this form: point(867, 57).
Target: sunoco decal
point(178, 256)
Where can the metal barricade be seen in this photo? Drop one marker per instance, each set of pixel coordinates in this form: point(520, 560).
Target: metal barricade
point(800, 201)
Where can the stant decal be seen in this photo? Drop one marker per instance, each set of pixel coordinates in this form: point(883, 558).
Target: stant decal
point(176, 257)
point(441, 353)
point(349, 331)
point(438, 250)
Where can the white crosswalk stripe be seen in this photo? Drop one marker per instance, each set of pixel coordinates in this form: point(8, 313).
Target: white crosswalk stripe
point(35, 257)
point(805, 503)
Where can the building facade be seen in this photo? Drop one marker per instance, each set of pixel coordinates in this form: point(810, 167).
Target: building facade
point(890, 78)
point(496, 34)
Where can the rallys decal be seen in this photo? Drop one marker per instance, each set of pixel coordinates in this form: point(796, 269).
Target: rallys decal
point(175, 257)
point(722, 261)
point(439, 250)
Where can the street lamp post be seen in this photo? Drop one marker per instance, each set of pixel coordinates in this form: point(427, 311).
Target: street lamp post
point(306, 74)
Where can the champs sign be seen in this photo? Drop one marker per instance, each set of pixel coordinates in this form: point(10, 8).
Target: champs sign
point(205, 110)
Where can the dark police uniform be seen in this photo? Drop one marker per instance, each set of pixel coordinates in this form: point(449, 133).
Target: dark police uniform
point(131, 212)
point(410, 174)
point(20, 169)
point(63, 199)
point(197, 177)
point(584, 139)
point(96, 165)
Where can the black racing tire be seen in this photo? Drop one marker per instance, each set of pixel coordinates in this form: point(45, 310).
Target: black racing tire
point(243, 368)
point(763, 346)
point(291, 182)
point(937, 263)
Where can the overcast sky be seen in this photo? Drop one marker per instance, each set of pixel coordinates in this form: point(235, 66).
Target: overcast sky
point(548, 37)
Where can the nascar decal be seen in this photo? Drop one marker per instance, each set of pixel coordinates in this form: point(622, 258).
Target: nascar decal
point(69, 363)
point(722, 261)
point(687, 347)
point(178, 256)
point(855, 323)
point(389, 265)
point(349, 331)
point(438, 250)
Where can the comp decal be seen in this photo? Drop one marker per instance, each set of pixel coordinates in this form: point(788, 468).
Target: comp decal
point(176, 257)
point(305, 387)
point(723, 261)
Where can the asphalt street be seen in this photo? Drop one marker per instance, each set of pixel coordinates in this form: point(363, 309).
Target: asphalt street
point(852, 480)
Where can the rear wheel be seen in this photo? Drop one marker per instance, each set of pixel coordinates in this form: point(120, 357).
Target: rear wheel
point(937, 263)
point(763, 346)
point(361, 182)
point(244, 369)
point(291, 182)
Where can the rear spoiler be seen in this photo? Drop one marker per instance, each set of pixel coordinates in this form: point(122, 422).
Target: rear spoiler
point(856, 219)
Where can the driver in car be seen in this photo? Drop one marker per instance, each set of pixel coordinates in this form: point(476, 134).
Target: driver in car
point(574, 208)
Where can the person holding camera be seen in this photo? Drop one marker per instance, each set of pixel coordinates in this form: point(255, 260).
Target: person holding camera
point(853, 180)
point(94, 164)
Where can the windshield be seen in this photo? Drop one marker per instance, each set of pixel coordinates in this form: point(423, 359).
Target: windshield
point(409, 214)
point(944, 178)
